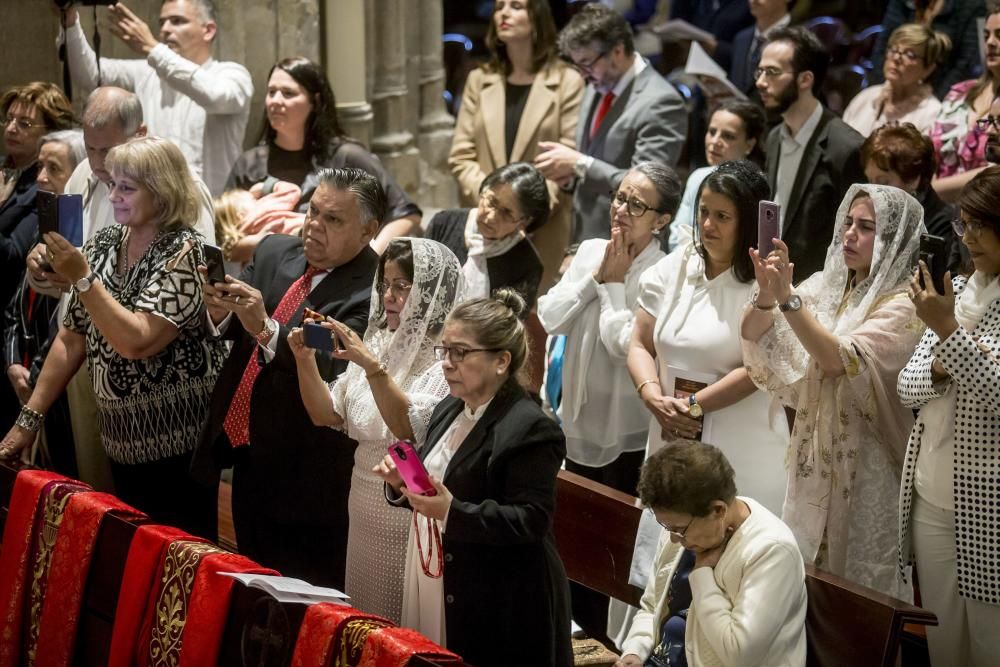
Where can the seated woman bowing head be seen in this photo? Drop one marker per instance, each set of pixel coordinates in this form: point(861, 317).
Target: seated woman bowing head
point(728, 584)
point(831, 348)
point(483, 576)
point(387, 394)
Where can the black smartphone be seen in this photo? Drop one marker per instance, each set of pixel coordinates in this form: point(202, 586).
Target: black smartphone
point(317, 337)
point(62, 214)
point(215, 263)
point(768, 226)
point(934, 253)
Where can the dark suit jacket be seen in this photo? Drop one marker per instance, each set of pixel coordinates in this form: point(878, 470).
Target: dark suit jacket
point(302, 471)
point(648, 121)
point(506, 592)
point(741, 69)
point(830, 165)
point(729, 18)
point(519, 268)
point(18, 228)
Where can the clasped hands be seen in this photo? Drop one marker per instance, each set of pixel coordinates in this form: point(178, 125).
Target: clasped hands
point(773, 274)
point(435, 507)
point(618, 256)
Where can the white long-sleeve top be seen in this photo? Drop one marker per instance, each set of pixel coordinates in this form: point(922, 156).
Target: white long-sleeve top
point(601, 414)
point(749, 610)
point(202, 108)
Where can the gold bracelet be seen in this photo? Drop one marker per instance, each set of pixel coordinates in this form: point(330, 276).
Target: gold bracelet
point(382, 370)
point(642, 384)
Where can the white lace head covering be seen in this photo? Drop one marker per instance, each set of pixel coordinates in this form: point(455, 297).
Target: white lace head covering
point(899, 222)
point(438, 286)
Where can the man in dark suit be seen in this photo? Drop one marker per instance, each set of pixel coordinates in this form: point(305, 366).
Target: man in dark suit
point(813, 157)
point(629, 114)
point(748, 44)
point(290, 478)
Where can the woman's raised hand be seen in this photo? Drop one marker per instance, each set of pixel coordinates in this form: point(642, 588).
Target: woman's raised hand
point(350, 346)
point(618, 258)
point(65, 259)
point(936, 310)
point(779, 270)
point(297, 344)
point(386, 469)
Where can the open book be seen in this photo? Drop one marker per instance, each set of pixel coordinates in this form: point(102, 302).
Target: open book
point(681, 383)
point(714, 81)
point(287, 589)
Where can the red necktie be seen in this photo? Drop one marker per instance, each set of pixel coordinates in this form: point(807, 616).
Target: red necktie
point(602, 111)
point(237, 422)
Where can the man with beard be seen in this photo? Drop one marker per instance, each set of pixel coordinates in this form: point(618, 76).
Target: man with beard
point(629, 114)
point(813, 157)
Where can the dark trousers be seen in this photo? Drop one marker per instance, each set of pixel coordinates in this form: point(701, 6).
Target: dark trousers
point(165, 491)
point(316, 553)
point(590, 608)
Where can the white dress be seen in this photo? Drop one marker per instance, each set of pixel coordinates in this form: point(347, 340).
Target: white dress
point(698, 329)
point(378, 532)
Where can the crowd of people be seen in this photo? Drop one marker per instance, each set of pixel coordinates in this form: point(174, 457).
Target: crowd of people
point(812, 396)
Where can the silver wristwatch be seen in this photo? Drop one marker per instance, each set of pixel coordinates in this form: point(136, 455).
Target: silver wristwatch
point(84, 284)
point(794, 303)
point(264, 337)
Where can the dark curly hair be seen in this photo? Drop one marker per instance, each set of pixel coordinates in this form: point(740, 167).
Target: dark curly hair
point(687, 478)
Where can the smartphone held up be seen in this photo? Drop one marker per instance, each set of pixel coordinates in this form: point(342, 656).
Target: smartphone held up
point(934, 253)
point(768, 226)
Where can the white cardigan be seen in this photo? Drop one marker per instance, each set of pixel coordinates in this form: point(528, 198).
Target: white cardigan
point(601, 414)
point(749, 610)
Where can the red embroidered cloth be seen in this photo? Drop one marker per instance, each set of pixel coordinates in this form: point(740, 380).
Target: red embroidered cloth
point(393, 647)
point(334, 634)
point(17, 551)
point(68, 572)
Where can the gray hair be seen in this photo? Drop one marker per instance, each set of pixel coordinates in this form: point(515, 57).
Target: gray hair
point(206, 9)
point(596, 26)
point(72, 140)
point(109, 105)
point(666, 182)
point(366, 189)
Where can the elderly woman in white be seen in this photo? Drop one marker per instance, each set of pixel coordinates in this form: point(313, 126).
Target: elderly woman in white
point(592, 305)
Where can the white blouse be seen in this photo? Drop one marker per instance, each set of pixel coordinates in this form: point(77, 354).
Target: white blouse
point(601, 414)
point(865, 115)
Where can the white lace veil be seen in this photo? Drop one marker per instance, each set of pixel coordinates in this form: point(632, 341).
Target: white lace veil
point(899, 222)
point(438, 286)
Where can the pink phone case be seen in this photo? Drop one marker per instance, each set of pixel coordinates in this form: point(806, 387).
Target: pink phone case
point(411, 468)
point(768, 226)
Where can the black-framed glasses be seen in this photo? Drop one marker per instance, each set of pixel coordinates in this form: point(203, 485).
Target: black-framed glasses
point(962, 228)
point(635, 207)
point(986, 122)
point(679, 534)
point(399, 288)
point(586, 68)
point(770, 72)
point(457, 354)
point(505, 214)
point(21, 122)
point(909, 55)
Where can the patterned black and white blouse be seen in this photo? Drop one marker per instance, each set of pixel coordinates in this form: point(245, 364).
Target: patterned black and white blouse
point(972, 359)
point(151, 408)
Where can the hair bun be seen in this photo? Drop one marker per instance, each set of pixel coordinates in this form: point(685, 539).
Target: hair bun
point(512, 299)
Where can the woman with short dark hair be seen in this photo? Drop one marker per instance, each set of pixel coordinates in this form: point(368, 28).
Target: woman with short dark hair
point(728, 585)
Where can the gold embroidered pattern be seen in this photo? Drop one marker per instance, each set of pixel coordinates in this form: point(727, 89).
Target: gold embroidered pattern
point(352, 640)
point(170, 614)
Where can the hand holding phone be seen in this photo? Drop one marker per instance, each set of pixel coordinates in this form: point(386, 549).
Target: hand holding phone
point(768, 227)
point(934, 253)
point(317, 337)
point(411, 468)
point(215, 263)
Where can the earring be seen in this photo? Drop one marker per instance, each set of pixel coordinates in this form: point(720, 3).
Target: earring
point(499, 371)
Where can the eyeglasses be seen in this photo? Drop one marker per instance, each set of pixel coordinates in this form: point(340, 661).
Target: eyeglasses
point(585, 68)
point(505, 214)
point(457, 354)
point(909, 55)
point(22, 123)
point(636, 208)
point(399, 288)
point(767, 72)
point(986, 122)
point(962, 227)
point(679, 534)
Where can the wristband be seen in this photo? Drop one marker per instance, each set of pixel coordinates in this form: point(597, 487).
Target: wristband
point(30, 420)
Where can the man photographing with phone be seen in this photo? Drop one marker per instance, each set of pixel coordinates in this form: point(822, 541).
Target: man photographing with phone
point(199, 103)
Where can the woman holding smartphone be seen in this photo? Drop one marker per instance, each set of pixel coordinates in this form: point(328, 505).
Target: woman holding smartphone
point(483, 576)
point(387, 394)
point(831, 348)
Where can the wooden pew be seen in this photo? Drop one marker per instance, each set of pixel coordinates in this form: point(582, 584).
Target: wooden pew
point(846, 624)
point(259, 631)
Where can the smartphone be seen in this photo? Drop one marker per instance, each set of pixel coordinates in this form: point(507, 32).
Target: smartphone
point(317, 337)
point(411, 468)
point(768, 226)
point(215, 262)
point(62, 214)
point(934, 253)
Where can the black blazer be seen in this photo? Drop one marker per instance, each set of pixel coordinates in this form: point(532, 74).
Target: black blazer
point(506, 592)
point(18, 231)
point(830, 165)
point(519, 268)
point(304, 470)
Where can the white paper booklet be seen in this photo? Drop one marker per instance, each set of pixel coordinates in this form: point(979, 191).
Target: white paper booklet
point(287, 589)
point(681, 383)
point(676, 30)
point(714, 81)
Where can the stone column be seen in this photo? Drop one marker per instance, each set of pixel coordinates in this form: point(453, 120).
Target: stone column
point(344, 58)
point(436, 125)
point(392, 139)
